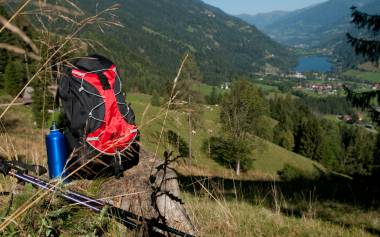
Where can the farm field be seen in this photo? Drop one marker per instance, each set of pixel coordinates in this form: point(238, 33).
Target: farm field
point(372, 77)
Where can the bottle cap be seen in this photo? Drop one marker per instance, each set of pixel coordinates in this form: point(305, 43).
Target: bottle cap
point(53, 126)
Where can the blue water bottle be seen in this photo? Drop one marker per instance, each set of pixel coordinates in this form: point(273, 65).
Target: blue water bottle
point(56, 148)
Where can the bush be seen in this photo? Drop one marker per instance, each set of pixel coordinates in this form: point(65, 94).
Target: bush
point(291, 173)
point(155, 100)
point(178, 142)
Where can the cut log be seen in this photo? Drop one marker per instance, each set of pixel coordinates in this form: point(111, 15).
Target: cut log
point(150, 192)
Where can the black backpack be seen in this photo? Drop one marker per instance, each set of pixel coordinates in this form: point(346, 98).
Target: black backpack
point(99, 122)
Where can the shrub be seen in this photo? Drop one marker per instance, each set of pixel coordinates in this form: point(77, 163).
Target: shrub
point(178, 142)
point(155, 100)
point(291, 173)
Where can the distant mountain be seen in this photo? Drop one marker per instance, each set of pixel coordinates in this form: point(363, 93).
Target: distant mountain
point(339, 46)
point(158, 33)
point(262, 20)
point(322, 26)
point(315, 25)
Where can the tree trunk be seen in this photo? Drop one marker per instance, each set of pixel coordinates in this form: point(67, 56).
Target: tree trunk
point(209, 148)
point(190, 133)
point(152, 198)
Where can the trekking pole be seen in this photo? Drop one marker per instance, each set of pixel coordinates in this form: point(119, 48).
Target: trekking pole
point(123, 216)
point(67, 191)
point(115, 212)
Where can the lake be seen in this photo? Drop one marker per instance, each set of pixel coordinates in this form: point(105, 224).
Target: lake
point(314, 64)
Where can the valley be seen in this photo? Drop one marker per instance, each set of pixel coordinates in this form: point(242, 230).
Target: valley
point(257, 111)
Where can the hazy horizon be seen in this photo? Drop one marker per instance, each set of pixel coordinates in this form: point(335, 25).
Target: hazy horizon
point(253, 7)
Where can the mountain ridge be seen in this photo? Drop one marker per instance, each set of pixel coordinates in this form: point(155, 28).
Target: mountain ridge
point(261, 20)
point(322, 27)
point(314, 25)
point(161, 32)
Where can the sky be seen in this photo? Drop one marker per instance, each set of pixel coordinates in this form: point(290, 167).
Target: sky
point(235, 7)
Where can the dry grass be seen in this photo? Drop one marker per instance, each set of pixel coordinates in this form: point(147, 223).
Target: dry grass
point(196, 170)
point(54, 50)
point(257, 220)
point(211, 211)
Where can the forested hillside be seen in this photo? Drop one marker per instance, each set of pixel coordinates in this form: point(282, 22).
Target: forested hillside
point(13, 66)
point(158, 33)
point(322, 26)
point(314, 25)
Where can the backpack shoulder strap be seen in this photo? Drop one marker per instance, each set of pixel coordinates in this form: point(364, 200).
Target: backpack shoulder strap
point(104, 81)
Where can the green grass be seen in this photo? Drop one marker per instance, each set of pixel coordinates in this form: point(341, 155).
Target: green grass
point(267, 88)
point(219, 215)
point(239, 218)
point(213, 215)
point(268, 157)
point(331, 117)
point(364, 75)
point(207, 89)
point(368, 66)
point(53, 216)
point(272, 158)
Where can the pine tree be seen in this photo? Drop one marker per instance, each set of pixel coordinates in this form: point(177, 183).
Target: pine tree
point(285, 111)
point(367, 47)
point(17, 61)
point(359, 155)
point(14, 77)
point(281, 109)
point(309, 138)
point(213, 98)
point(370, 49)
point(43, 101)
point(331, 147)
point(3, 64)
point(376, 154)
point(5, 37)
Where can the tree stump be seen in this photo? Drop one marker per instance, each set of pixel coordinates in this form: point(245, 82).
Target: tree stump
point(151, 190)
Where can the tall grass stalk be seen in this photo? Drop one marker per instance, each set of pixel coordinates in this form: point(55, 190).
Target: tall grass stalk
point(96, 19)
point(171, 98)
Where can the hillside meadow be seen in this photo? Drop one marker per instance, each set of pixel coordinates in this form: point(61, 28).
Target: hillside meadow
point(257, 203)
point(268, 157)
point(280, 194)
